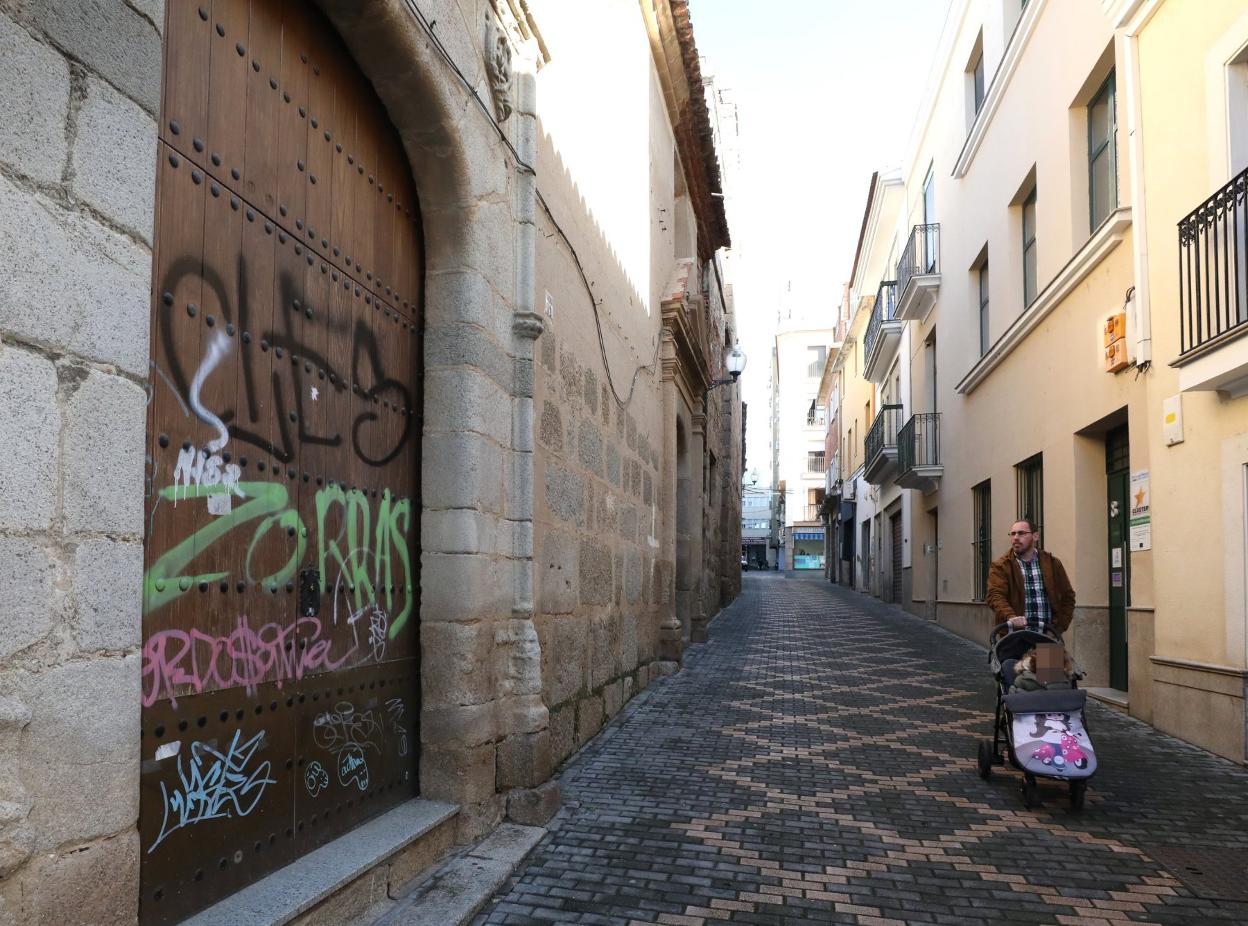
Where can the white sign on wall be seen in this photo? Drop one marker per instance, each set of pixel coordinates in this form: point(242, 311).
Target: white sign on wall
point(1141, 519)
point(1172, 419)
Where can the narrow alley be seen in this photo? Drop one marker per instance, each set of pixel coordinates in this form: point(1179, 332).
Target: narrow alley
point(815, 763)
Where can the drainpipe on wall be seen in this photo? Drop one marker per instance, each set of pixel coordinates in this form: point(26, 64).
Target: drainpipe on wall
point(1140, 306)
point(525, 753)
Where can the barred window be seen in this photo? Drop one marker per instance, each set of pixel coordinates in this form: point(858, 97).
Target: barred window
point(1030, 478)
point(982, 541)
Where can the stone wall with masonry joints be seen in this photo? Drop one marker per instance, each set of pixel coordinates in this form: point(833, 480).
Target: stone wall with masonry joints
point(79, 88)
point(598, 577)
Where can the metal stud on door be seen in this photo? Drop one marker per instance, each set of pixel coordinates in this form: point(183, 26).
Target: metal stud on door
point(280, 593)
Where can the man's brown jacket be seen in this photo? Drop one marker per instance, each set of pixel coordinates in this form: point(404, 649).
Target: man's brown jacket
point(1005, 589)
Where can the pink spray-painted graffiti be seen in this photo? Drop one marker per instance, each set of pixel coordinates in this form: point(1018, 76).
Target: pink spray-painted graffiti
point(243, 658)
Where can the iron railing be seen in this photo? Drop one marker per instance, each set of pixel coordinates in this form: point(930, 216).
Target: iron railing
point(816, 465)
point(918, 442)
point(1213, 268)
point(885, 310)
point(883, 433)
point(921, 256)
point(812, 512)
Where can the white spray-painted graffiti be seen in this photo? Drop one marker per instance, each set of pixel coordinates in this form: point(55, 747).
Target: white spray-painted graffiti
point(199, 468)
point(214, 784)
point(207, 467)
point(397, 709)
point(315, 778)
point(218, 348)
point(346, 733)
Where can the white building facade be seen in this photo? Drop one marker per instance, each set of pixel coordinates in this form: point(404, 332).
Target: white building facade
point(799, 454)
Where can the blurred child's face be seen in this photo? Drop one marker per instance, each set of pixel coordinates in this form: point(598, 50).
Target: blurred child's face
point(1050, 659)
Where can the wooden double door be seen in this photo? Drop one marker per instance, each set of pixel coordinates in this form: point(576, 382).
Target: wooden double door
point(281, 594)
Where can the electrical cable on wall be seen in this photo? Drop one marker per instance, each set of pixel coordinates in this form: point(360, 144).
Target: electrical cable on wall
point(524, 166)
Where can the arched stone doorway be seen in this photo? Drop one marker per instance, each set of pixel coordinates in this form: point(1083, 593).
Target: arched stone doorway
point(282, 587)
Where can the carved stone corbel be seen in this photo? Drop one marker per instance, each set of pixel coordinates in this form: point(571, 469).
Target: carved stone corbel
point(498, 64)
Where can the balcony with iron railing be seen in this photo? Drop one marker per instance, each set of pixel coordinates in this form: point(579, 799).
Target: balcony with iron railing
point(918, 453)
point(918, 272)
point(1213, 292)
point(883, 333)
point(881, 445)
point(832, 480)
point(816, 463)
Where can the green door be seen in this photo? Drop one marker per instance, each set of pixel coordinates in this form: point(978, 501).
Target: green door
point(1118, 483)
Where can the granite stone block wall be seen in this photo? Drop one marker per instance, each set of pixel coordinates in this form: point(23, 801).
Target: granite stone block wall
point(597, 603)
point(543, 586)
point(79, 90)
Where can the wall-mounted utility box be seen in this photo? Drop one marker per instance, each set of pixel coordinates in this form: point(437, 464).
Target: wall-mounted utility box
point(1114, 334)
point(1115, 328)
point(1116, 357)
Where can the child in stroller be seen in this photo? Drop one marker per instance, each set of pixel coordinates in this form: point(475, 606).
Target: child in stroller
point(1041, 721)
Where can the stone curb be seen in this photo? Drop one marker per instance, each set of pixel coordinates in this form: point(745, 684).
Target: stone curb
point(462, 885)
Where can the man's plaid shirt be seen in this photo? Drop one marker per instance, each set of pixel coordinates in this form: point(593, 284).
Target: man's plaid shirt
point(1035, 602)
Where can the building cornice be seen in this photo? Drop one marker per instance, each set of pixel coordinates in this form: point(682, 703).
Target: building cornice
point(1010, 59)
point(680, 75)
point(871, 226)
point(687, 361)
point(862, 231)
point(1111, 234)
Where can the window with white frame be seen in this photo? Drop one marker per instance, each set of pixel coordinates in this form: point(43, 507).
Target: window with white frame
point(976, 86)
point(1237, 111)
point(982, 285)
point(1102, 154)
point(1029, 248)
point(977, 82)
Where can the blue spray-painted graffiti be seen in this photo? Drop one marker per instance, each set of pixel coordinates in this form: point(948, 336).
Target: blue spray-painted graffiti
point(214, 783)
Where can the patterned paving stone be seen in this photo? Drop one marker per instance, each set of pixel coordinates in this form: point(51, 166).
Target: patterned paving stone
point(814, 763)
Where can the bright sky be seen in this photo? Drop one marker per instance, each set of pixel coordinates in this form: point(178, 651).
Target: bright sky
point(827, 92)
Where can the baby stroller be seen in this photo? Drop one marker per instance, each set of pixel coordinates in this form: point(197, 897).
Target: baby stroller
point(1044, 731)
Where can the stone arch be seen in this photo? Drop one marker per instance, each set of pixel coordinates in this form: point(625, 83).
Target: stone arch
point(476, 601)
point(287, 316)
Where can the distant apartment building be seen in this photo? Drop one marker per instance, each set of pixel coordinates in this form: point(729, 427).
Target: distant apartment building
point(1048, 308)
point(757, 516)
point(799, 456)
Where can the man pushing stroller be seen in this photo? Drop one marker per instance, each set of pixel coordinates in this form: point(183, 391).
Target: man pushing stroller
point(1028, 587)
point(1039, 714)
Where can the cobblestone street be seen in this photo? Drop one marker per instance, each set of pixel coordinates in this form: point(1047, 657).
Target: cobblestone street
point(815, 763)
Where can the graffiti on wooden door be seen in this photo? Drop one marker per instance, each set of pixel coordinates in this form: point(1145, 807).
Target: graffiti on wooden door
point(279, 660)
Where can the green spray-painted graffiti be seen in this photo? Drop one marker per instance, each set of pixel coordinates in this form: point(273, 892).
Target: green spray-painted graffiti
point(355, 554)
point(370, 555)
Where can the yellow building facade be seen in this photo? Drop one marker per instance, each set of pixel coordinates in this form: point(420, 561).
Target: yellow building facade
point(1068, 279)
point(1190, 61)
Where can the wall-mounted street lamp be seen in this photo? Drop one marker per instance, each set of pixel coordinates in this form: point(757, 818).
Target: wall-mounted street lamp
point(735, 362)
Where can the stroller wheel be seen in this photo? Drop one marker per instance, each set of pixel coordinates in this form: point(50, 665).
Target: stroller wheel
point(1078, 789)
point(1031, 792)
point(985, 759)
